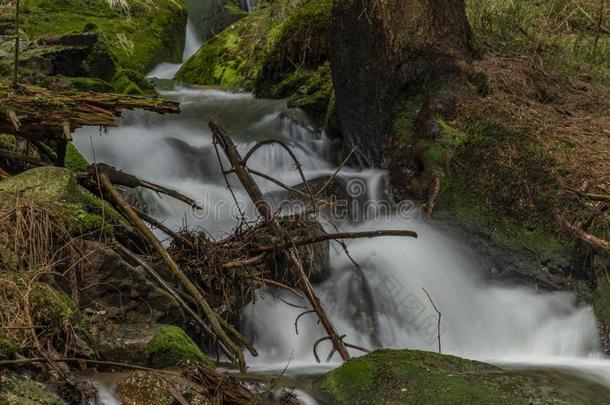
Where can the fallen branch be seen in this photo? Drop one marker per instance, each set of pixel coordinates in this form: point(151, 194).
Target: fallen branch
point(23, 113)
point(584, 236)
point(297, 164)
point(16, 157)
point(335, 236)
point(19, 362)
point(277, 284)
point(175, 270)
point(434, 192)
point(129, 180)
point(160, 226)
point(296, 321)
point(263, 207)
point(590, 196)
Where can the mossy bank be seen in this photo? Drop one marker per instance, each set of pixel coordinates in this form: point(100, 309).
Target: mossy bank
point(279, 51)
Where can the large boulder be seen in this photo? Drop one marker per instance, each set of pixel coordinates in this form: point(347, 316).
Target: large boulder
point(414, 377)
point(57, 189)
point(137, 37)
point(279, 51)
point(21, 390)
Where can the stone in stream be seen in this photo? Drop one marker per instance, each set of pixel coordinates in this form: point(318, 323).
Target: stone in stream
point(426, 378)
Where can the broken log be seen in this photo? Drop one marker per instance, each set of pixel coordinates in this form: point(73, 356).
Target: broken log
point(175, 270)
point(44, 114)
point(221, 137)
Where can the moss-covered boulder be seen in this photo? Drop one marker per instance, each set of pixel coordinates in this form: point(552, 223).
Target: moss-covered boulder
point(171, 347)
point(138, 33)
point(144, 387)
point(57, 189)
point(20, 390)
point(285, 41)
point(414, 377)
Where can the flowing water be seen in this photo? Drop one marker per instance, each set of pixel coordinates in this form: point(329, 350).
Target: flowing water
point(381, 303)
point(191, 45)
point(384, 303)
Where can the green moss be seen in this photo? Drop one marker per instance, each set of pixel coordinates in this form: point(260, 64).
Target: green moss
point(89, 84)
point(171, 347)
point(152, 32)
point(601, 301)
point(57, 188)
point(8, 347)
point(264, 49)
point(130, 82)
point(16, 390)
point(503, 183)
point(74, 159)
point(58, 313)
point(414, 377)
point(8, 142)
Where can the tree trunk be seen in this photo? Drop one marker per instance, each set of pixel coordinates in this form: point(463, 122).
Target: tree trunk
point(385, 48)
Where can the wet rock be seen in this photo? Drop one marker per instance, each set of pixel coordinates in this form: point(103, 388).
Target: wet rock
point(171, 347)
point(21, 390)
point(258, 52)
point(126, 309)
point(138, 36)
point(143, 387)
point(414, 377)
point(58, 189)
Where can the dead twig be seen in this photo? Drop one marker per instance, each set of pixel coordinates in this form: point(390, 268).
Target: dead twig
point(129, 180)
point(174, 269)
point(336, 236)
point(438, 327)
point(275, 228)
point(584, 236)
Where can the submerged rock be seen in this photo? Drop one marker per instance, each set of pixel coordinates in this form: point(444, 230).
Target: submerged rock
point(415, 377)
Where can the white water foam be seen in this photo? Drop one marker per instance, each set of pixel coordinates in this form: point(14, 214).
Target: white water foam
point(480, 320)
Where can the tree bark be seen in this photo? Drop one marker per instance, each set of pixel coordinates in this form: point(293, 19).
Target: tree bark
point(385, 48)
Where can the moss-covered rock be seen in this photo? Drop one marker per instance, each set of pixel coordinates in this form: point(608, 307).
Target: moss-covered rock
point(8, 347)
point(89, 84)
point(414, 377)
point(266, 48)
point(18, 390)
point(138, 37)
point(57, 188)
point(171, 347)
point(143, 387)
point(505, 185)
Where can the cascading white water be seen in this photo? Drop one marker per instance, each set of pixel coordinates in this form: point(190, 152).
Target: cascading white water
point(192, 44)
point(384, 303)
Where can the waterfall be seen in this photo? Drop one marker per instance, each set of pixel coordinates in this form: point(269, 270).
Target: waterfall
point(248, 5)
point(383, 304)
point(192, 44)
